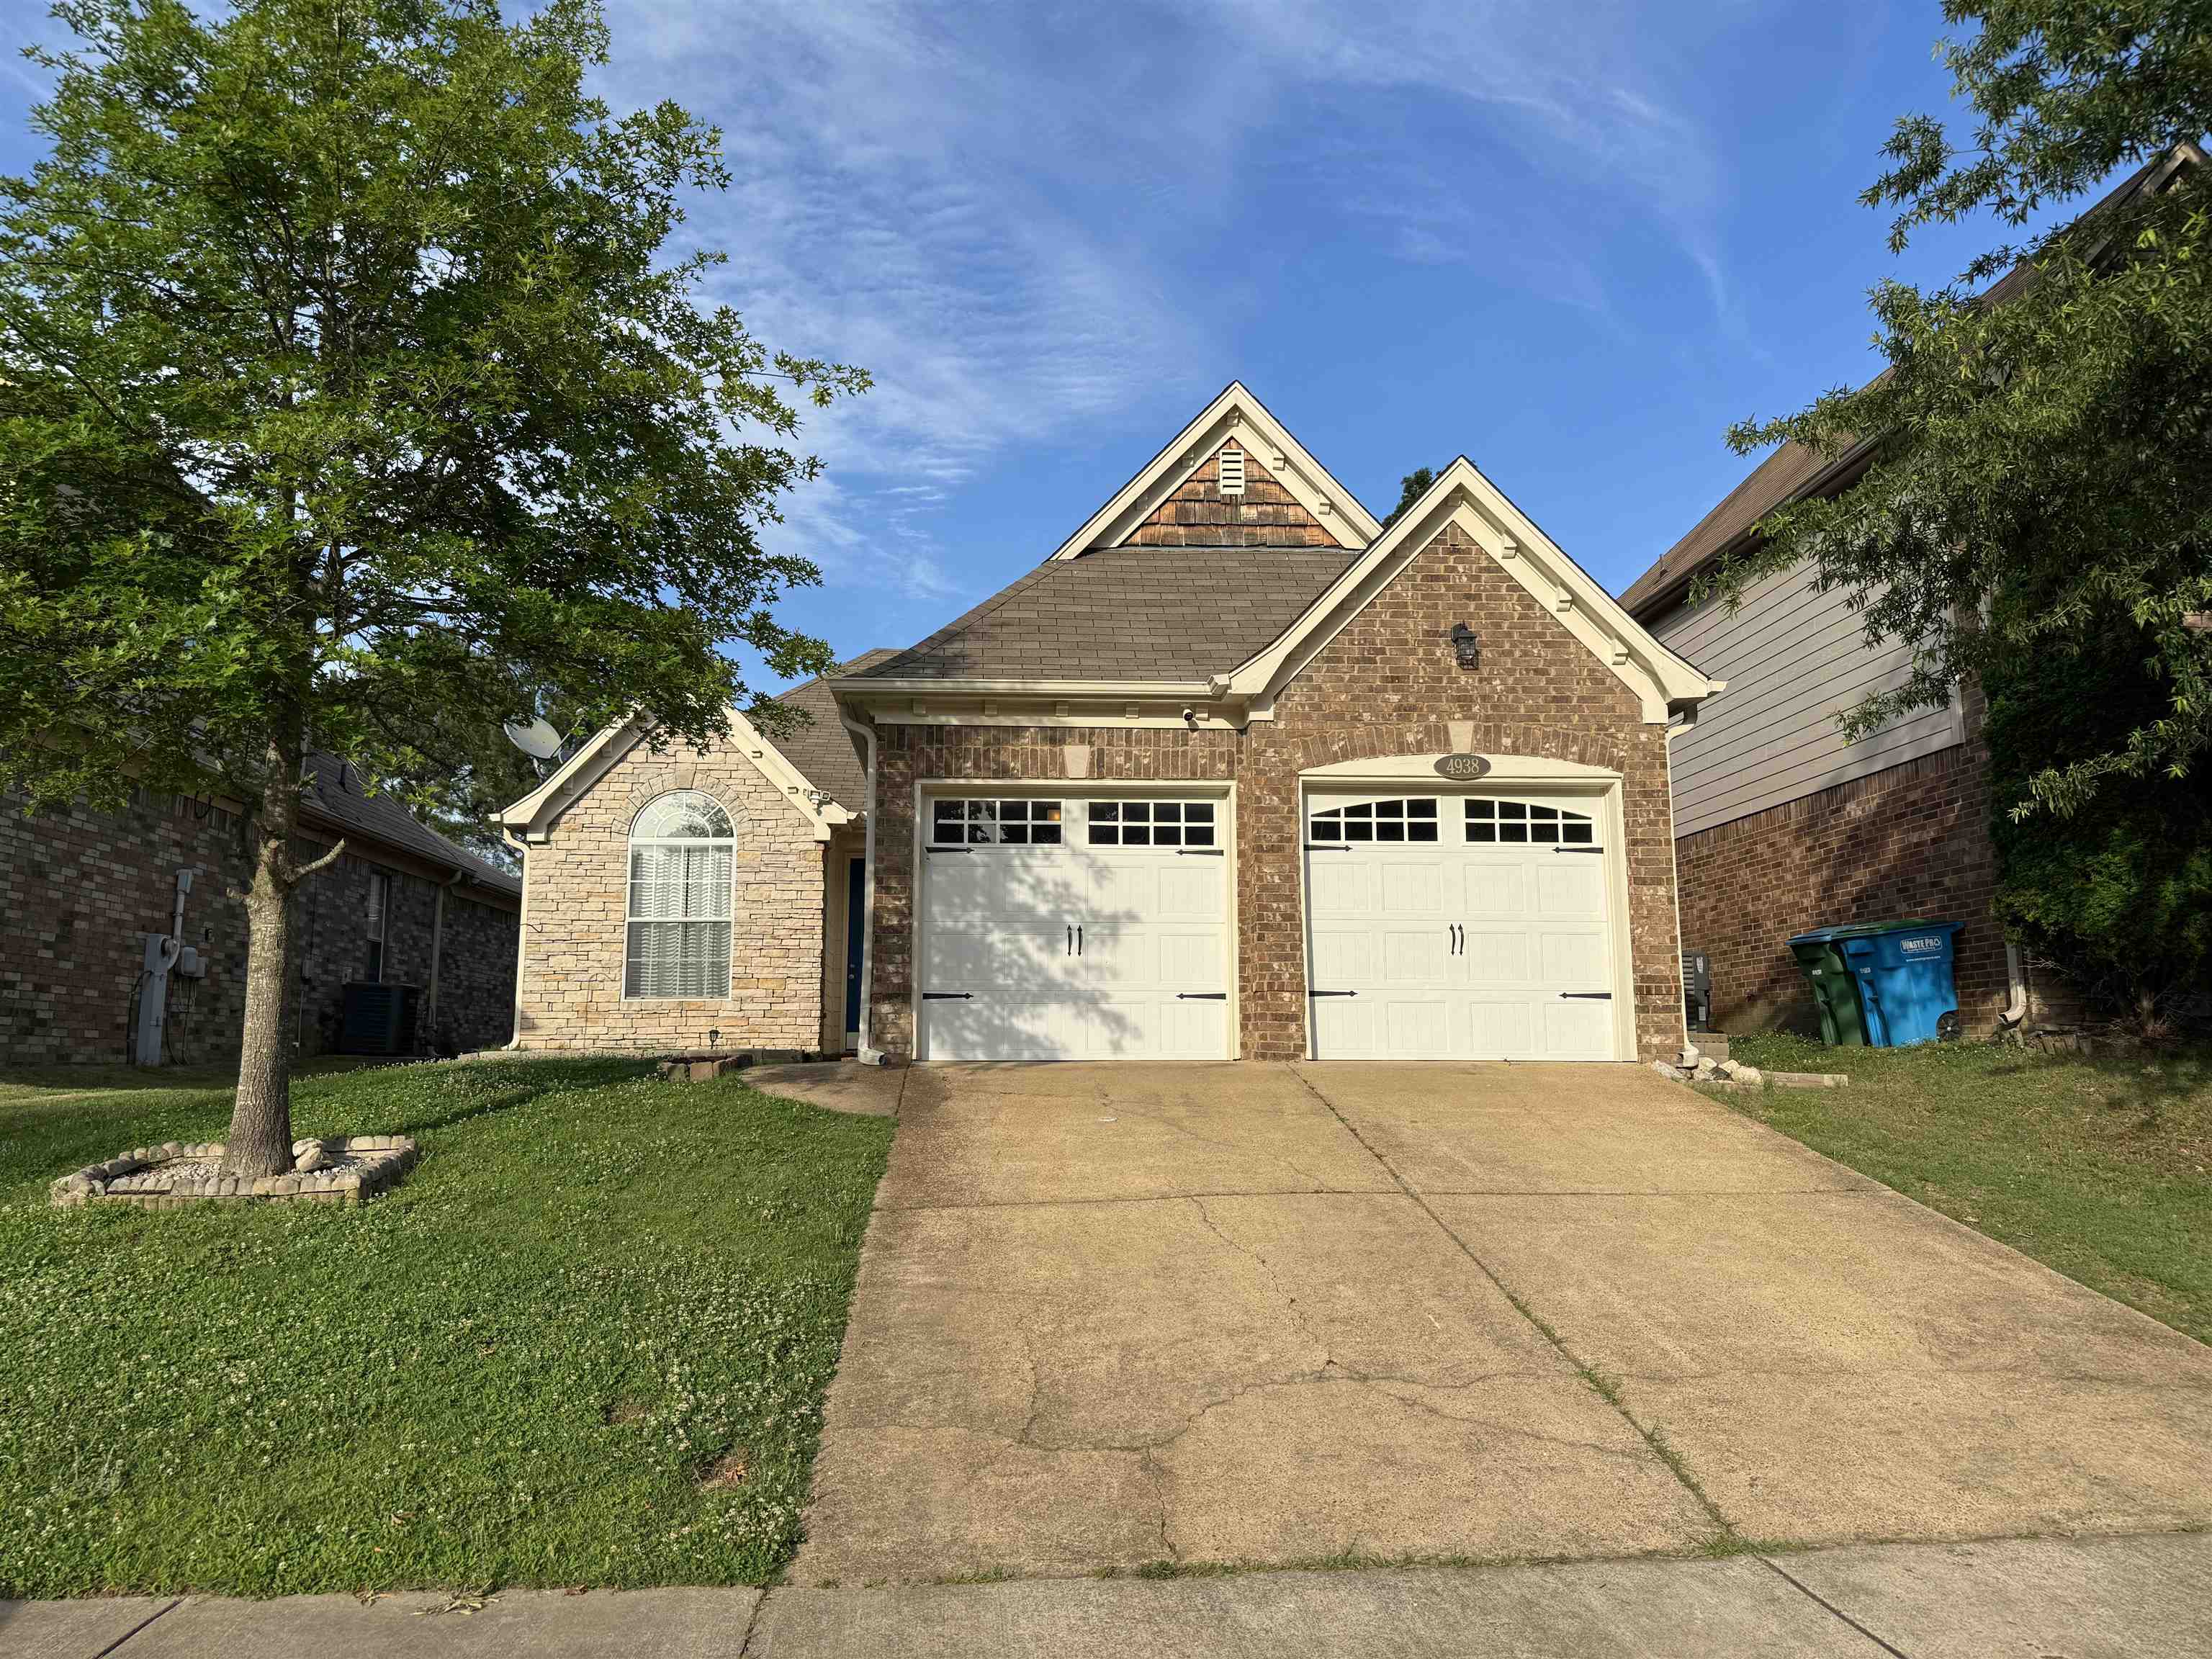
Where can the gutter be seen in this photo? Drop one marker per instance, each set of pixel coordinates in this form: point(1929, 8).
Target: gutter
point(869, 1055)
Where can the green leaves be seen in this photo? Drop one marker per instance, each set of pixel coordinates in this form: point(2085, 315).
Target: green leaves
point(2037, 452)
point(348, 388)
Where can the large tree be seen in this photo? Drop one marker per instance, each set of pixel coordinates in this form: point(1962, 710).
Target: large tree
point(351, 397)
point(2040, 474)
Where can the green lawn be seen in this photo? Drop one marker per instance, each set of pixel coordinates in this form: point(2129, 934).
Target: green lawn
point(2099, 1166)
point(529, 1364)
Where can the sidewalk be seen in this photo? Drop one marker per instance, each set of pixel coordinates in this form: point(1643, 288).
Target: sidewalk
point(2101, 1598)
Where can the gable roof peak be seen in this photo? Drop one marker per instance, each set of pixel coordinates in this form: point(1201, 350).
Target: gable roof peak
point(1327, 512)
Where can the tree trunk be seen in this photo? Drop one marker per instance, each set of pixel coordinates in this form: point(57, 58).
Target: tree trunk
point(261, 1122)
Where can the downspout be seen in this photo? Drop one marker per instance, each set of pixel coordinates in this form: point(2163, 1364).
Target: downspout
point(438, 947)
point(521, 937)
point(869, 1055)
point(2016, 1010)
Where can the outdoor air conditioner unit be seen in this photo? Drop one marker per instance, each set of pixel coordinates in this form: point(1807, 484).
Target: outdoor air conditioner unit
point(379, 1019)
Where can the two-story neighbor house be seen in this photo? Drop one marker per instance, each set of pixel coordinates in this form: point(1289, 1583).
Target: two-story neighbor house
point(1896, 824)
point(1235, 772)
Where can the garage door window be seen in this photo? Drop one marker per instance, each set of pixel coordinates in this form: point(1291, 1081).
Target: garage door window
point(1150, 823)
point(995, 823)
point(1490, 821)
point(1376, 820)
point(679, 899)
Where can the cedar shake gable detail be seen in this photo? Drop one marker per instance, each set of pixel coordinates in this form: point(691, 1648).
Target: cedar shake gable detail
point(1197, 513)
point(1290, 499)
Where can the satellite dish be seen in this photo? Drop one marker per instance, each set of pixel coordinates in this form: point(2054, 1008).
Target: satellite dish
point(537, 739)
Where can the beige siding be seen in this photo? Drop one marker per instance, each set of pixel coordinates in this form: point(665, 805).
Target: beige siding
point(1793, 659)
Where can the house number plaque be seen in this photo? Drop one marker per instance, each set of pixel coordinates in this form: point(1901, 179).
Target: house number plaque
point(1462, 767)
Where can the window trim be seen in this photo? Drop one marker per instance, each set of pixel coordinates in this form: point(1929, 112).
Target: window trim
point(1183, 822)
point(998, 799)
point(630, 845)
point(1369, 812)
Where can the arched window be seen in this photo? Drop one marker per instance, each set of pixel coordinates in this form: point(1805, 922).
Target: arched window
point(679, 898)
point(1410, 819)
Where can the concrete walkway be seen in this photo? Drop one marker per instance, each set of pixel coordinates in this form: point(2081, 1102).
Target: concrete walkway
point(2110, 1598)
point(1275, 1316)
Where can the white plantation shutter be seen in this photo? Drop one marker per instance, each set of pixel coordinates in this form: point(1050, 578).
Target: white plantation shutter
point(679, 900)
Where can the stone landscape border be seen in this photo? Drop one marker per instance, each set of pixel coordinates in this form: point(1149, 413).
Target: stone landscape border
point(375, 1163)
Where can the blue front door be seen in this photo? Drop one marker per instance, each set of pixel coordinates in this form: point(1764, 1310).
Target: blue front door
point(856, 923)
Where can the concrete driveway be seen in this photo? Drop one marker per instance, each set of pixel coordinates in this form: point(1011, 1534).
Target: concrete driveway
point(1113, 1315)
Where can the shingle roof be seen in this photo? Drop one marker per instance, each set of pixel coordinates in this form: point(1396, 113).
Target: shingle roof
point(1793, 471)
point(335, 801)
point(823, 748)
point(1128, 613)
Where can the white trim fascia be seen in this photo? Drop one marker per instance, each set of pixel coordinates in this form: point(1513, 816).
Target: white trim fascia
point(1090, 704)
point(1335, 507)
point(569, 783)
point(1503, 770)
point(772, 764)
point(1098, 718)
point(524, 813)
point(863, 687)
point(1461, 496)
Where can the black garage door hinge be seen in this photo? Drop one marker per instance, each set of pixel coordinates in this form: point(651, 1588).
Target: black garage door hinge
point(1588, 996)
point(948, 996)
point(947, 849)
point(1332, 993)
point(1203, 852)
point(1202, 996)
point(1578, 849)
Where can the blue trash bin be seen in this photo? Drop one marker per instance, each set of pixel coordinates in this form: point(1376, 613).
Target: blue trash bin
point(1903, 970)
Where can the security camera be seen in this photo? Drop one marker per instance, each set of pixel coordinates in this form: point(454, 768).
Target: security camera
point(1190, 716)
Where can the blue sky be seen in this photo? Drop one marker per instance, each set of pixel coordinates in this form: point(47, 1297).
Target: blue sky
point(1572, 241)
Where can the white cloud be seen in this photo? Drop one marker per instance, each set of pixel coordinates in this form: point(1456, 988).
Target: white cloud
point(1004, 211)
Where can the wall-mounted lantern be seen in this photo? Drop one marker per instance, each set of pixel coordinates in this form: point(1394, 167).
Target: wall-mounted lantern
point(1466, 645)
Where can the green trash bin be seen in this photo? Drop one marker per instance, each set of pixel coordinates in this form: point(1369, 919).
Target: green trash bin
point(1835, 988)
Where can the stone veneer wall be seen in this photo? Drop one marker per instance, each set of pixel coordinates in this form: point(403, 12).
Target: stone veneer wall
point(79, 887)
point(576, 887)
point(1388, 684)
point(1912, 841)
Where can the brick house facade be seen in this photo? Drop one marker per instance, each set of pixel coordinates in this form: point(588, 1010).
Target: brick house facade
point(80, 889)
point(1386, 686)
point(1233, 628)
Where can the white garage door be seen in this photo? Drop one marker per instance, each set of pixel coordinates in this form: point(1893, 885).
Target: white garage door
point(1459, 928)
point(1070, 928)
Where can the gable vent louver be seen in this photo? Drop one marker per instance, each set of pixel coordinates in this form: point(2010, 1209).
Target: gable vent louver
point(1232, 471)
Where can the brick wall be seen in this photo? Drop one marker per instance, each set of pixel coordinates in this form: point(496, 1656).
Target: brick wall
point(1198, 515)
point(78, 889)
point(476, 977)
point(577, 888)
point(1912, 841)
point(1388, 684)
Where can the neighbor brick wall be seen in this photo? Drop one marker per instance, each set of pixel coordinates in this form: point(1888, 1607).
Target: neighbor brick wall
point(577, 886)
point(1388, 684)
point(1197, 514)
point(1912, 841)
point(79, 887)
